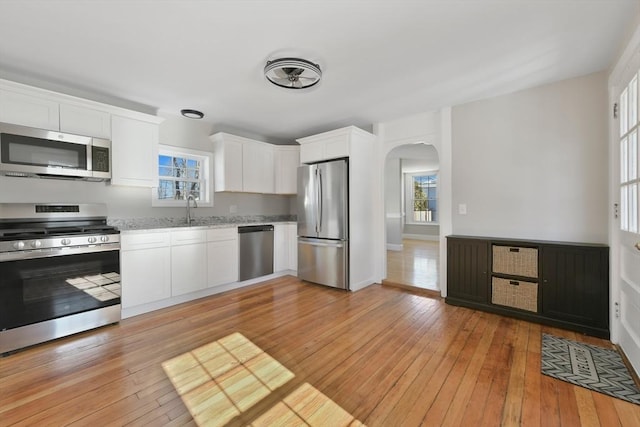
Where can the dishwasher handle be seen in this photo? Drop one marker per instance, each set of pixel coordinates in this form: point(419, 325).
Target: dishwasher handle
point(254, 228)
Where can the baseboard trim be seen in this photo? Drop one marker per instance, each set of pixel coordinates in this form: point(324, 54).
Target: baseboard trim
point(394, 247)
point(427, 292)
point(421, 237)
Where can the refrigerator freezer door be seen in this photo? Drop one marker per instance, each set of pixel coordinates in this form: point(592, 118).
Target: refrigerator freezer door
point(307, 201)
point(332, 184)
point(324, 262)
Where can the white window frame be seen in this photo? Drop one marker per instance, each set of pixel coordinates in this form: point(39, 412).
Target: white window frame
point(628, 135)
point(206, 193)
point(408, 197)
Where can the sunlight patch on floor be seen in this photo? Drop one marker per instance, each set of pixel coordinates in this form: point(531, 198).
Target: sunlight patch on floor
point(220, 381)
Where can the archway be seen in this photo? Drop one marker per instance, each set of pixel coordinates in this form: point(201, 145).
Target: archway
point(411, 216)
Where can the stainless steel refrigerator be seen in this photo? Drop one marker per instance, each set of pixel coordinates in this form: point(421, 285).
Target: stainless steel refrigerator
point(323, 223)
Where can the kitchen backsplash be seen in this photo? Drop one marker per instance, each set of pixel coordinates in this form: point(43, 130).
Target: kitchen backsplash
point(168, 222)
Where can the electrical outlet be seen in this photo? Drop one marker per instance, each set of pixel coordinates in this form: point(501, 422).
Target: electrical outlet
point(462, 208)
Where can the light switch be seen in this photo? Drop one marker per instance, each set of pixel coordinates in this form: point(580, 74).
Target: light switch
point(233, 209)
point(462, 208)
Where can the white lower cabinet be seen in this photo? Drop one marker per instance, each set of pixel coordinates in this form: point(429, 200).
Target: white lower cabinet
point(222, 256)
point(145, 268)
point(280, 248)
point(188, 261)
point(160, 268)
point(293, 246)
point(285, 247)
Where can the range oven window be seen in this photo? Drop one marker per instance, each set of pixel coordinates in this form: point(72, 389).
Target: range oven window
point(35, 290)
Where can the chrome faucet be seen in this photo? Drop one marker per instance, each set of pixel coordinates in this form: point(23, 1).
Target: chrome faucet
point(190, 197)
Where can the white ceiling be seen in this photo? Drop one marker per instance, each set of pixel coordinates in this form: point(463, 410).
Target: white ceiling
point(381, 59)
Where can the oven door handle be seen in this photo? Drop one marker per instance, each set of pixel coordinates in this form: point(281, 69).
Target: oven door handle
point(51, 252)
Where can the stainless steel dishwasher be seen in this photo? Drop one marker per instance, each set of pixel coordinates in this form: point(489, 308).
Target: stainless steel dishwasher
point(256, 251)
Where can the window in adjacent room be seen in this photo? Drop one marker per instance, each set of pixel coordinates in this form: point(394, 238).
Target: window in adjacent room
point(182, 171)
point(421, 197)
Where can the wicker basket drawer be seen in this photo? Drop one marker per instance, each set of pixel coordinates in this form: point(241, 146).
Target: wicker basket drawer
point(515, 260)
point(514, 293)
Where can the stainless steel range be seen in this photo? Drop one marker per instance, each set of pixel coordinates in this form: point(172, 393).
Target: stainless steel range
point(59, 272)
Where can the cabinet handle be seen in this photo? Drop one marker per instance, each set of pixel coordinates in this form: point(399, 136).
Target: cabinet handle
point(514, 249)
point(514, 283)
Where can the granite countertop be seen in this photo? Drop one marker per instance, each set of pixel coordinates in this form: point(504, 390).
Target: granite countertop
point(133, 224)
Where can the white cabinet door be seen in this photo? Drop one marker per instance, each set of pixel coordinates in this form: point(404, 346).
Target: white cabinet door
point(222, 262)
point(287, 160)
point(280, 248)
point(222, 256)
point(188, 268)
point(146, 276)
point(134, 152)
point(311, 152)
point(285, 247)
point(85, 121)
point(145, 268)
point(257, 168)
point(228, 163)
point(293, 246)
point(188, 261)
point(27, 110)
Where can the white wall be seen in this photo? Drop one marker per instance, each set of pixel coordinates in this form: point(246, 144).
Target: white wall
point(393, 203)
point(130, 202)
point(533, 164)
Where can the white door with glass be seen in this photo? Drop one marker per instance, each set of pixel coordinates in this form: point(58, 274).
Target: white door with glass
point(625, 247)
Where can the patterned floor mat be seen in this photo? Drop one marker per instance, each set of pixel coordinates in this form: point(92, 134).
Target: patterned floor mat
point(596, 368)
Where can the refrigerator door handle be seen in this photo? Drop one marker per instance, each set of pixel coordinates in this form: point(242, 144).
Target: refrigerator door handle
point(316, 191)
point(321, 244)
point(321, 198)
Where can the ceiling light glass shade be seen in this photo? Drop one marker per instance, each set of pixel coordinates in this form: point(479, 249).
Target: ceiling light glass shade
point(292, 73)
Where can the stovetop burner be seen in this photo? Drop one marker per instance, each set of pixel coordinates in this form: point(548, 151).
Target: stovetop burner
point(41, 229)
point(44, 232)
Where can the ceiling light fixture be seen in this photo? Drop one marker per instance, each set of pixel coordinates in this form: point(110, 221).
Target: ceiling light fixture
point(192, 114)
point(292, 73)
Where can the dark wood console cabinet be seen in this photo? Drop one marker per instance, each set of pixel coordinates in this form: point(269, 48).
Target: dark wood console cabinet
point(554, 283)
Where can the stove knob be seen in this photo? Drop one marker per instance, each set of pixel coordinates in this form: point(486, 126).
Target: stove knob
point(66, 241)
point(18, 245)
point(104, 238)
point(35, 244)
point(92, 239)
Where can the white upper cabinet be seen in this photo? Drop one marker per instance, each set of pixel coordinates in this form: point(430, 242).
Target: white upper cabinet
point(134, 152)
point(134, 135)
point(329, 145)
point(257, 167)
point(250, 166)
point(228, 162)
point(85, 121)
point(27, 110)
point(44, 113)
point(287, 160)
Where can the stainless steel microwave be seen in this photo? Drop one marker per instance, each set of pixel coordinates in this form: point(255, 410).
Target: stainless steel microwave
point(31, 152)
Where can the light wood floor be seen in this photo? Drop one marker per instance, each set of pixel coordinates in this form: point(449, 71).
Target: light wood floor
point(386, 356)
point(415, 265)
